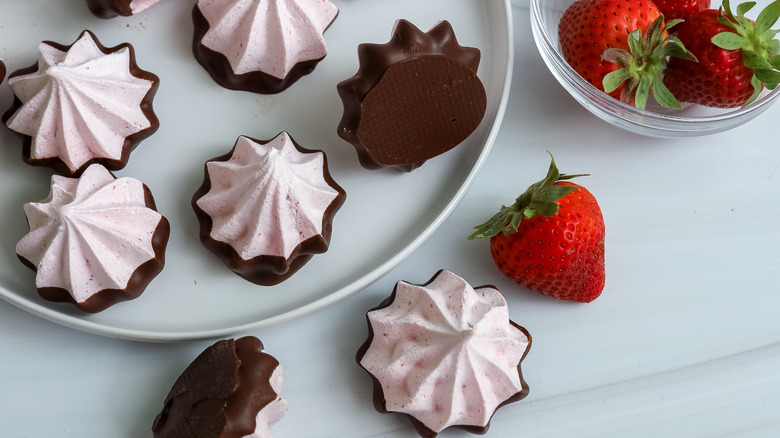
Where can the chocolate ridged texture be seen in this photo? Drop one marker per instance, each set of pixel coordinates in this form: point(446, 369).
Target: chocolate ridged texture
point(137, 283)
point(380, 403)
point(110, 8)
point(268, 270)
point(220, 393)
point(412, 98)
point(219, 68)
point(130, 142)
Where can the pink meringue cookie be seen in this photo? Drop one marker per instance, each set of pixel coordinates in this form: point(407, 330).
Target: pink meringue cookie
point(266, 207)
point(95, 240)
point(82, 104)
point(113, 8)
point(261, 45)
point(445, 354)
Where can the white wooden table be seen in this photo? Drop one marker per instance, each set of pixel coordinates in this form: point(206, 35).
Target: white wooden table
point(684, 341)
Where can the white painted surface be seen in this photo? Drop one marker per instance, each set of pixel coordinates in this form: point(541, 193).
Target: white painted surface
point(684, 342)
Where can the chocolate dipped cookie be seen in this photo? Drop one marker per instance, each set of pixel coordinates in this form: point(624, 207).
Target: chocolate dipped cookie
point(413, 98)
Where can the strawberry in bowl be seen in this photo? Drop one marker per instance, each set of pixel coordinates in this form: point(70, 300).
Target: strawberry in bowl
point(737, 57)
point(621, 47)
point(681, 9)
point(655, 120)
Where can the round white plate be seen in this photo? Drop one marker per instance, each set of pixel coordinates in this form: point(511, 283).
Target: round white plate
point(387, 214)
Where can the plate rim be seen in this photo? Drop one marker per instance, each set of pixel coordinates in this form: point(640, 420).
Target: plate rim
point(81, 324)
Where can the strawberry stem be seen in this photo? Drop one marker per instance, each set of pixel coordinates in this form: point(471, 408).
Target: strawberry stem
point(756, 40)
point(540, 198)
point(643, 64)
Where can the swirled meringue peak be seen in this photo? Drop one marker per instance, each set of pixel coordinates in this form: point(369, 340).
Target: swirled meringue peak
point(261, 45)
point(267, 207)
point(95, 240)
point(82, 104)
point(445, 354)
point(112, 8)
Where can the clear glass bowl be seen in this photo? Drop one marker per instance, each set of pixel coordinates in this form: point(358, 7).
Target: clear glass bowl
point(692, 120)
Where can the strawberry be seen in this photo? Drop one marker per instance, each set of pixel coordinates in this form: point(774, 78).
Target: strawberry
point(551, 240)
point(681, 8)
point(737, 57)
point(589, 28)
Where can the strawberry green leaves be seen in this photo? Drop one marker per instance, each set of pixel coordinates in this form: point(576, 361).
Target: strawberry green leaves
point(540, 198)
point(756, 40)
point(642, 66)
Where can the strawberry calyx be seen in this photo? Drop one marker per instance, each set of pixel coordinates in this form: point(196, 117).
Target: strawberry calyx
point(756, 40)
point(539, 198)
point(642, 66)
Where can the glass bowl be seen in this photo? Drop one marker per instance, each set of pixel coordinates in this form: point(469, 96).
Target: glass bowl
point(692, 120)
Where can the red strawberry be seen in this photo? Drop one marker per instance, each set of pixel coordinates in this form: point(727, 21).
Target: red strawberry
point(737, 57)
point(551, 239)
point(589, 28)
point(681, 8)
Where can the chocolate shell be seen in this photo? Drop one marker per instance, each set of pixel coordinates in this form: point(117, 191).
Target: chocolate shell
point(220, 393)
point(413, 98)
point(113, 8)
point(131, 141)
point(2, 71)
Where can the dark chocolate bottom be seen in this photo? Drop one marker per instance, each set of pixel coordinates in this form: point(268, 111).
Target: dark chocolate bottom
point(106, 298)
point(264, 270)
point(109, 8)
point(220, 392)
point(218, 66)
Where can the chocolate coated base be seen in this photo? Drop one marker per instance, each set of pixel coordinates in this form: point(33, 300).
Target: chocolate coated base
point(412, 98)
point(109, 8)
point(220, 392)
point(218, 66)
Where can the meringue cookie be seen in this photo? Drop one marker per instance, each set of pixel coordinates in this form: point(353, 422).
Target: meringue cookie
point(95, 240)
point(266, 207)
point(112, 8)
point(412, 98)
point(82, 104)
point(445, 354)
point(261, 45)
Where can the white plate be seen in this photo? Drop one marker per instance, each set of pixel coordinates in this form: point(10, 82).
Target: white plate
point(387, 214)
